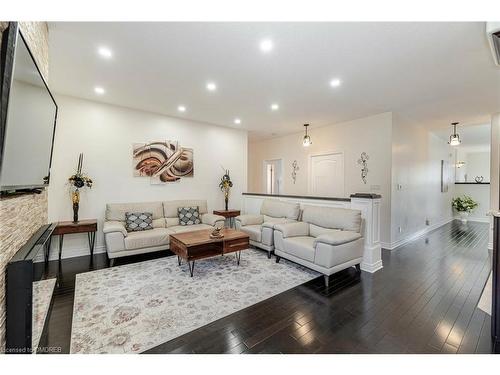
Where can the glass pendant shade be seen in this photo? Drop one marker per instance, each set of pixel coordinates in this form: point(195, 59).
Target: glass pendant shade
point(306, 142)
point(454, 138)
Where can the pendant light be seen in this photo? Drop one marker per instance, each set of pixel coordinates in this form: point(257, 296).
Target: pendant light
point(454, 138)
point(306, 142)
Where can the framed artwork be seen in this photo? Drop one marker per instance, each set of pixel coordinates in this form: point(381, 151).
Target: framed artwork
point(162, 161)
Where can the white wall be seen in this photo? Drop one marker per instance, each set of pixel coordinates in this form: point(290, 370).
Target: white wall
point(370, 134)
point(416, 181)
point(105, 133)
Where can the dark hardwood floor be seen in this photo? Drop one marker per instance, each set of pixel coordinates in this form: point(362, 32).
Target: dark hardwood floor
point(424, 300)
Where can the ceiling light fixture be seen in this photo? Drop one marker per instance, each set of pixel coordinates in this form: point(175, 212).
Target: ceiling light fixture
point(99, 90)
point(306, 141)
point(275, 107)
point(335, 82)
point(454, 138)
point(237, 121)
point(181, 108)
point(211, 86)
point(266, 45)
point(105, 52)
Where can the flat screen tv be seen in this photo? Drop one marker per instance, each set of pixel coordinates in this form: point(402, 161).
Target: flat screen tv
point(27, 118)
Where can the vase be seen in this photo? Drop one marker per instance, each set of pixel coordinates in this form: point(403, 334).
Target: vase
point(463, 216)
point(226, 202)
point(75, 197)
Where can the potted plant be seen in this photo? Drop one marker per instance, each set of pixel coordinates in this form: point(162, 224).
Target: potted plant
point(78, 181)
point(464, 205)
point(225, 186)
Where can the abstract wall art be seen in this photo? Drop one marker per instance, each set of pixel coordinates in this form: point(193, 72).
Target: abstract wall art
point(162, 161)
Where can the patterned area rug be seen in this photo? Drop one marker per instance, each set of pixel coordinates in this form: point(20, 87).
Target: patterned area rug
point(132, 308)
point(42, 295)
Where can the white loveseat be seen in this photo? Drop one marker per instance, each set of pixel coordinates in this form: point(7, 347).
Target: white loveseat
point(260, 228)
point(327, 240)
point(121, 243)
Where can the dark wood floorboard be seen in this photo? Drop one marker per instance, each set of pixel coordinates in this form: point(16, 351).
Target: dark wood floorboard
point(424, 300)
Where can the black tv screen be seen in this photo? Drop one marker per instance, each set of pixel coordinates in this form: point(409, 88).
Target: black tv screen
point(28, 117)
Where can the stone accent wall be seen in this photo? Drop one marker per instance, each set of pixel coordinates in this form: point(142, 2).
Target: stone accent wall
point(21, 216)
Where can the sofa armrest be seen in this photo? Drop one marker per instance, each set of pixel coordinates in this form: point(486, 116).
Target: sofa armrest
point(212, 219)
point(294, 229)
point(337, 238)
point(250, 219)
point(114, 226)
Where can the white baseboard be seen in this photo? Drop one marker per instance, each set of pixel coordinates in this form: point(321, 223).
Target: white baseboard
point(371, 268)
point(70, 253)
point(476, 219)
point(414, 236)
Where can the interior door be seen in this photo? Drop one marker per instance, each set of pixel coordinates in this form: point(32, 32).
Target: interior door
point(327, 175)
point(273, 176)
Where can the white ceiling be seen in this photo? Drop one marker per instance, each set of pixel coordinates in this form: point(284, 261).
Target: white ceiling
point(432, 73)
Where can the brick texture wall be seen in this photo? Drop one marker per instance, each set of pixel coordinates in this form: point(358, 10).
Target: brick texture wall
point(21, 216)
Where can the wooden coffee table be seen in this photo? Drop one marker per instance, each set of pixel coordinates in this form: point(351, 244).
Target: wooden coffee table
point(195, 245)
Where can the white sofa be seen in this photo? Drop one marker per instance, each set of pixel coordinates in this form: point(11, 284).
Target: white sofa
point(327, 240)
point(260, 228)
point(120, 243)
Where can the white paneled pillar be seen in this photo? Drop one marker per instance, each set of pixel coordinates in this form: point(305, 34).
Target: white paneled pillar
point(369, 205)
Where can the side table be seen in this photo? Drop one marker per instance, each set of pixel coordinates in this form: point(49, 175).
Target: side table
point(82, 226)
point(228, 214)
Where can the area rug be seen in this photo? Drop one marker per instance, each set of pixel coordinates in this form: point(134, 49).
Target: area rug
point(132, 308)
point(42, 295)
point(486, 298)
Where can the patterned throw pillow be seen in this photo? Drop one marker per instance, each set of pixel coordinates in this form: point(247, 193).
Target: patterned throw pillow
point(189, 215)
point(137, 221)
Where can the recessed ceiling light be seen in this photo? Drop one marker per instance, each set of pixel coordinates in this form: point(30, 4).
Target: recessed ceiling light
point(237, 121)
point(266, 45)
point(105, 52)
point(335, 82)
point(275, 107)
point(181, 108)
point(211, 86)
point(99, 90)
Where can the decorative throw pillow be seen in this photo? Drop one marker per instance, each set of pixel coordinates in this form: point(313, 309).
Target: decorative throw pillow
point(137, 221)
point(189, 215)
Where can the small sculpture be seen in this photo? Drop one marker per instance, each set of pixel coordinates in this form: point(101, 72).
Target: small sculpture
point(479, 179)
point(216, 233)
point(295, 168)
point(363, 161)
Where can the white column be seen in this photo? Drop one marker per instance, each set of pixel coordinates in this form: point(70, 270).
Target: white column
point(495, 171)
point(370, 212)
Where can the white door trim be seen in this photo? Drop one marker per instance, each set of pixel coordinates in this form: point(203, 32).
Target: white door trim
point(264, 173)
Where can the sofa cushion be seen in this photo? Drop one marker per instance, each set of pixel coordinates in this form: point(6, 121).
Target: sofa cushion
point(316, 230)
point(333, 218)
point(148, 238)
point(275, 208)
point(171, 221)
point(338, 238)
point(170, 207)
point(116, 211)
point(302, 247)
point(254, 231)
point(138, 221)
point(189, 215)
point(275, 220)
point(189, 228)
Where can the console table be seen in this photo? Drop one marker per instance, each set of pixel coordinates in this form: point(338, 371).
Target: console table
point(228, 214)
point(82, 226)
